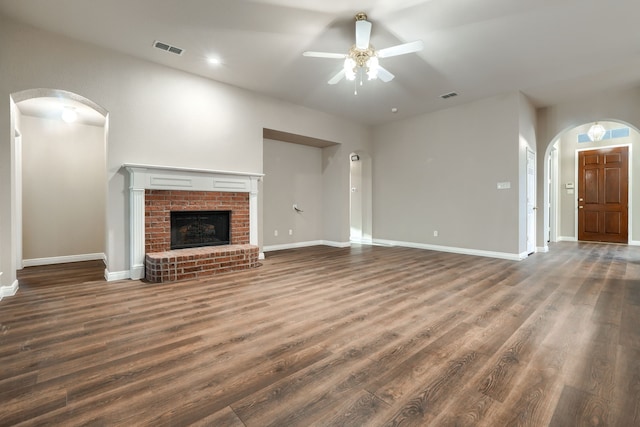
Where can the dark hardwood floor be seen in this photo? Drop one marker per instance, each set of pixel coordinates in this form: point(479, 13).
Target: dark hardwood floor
point(366, 336)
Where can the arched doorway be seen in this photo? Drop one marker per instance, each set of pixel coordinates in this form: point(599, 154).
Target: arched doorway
point(59, 182)
point(561, 201)
point(360, 201)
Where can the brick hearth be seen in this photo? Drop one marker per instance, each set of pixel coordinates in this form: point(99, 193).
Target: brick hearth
point(193, 263)
point(163, 264)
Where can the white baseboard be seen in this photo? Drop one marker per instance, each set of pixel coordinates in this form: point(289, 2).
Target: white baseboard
point(362, 241)
point(8, 291)
point(306, 244)
point(116, 275)
point(336, 244)
point(261, 256)
point(296, 245)
point(463, 251)
point(634, 242)
point(544, 248)
point(63, 259)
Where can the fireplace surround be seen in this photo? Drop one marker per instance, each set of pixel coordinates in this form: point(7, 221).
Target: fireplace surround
point(202, 188)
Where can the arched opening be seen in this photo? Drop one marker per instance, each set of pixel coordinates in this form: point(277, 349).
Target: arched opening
point(561, 201)
point(59, 178)
point(360, 201)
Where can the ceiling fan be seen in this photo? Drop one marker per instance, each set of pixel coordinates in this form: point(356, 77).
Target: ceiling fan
point(362, 57)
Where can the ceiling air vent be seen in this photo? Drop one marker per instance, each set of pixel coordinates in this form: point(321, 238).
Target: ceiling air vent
point(448, 95)
point(167, 47)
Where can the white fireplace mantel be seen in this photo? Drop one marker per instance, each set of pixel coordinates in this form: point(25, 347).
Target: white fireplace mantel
point(152, 177)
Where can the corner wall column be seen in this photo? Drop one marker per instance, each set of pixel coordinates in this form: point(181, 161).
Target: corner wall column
point(253, 211)
point(136, 194)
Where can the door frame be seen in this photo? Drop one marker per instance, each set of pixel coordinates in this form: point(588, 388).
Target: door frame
point(629, 190)
point(531, 204)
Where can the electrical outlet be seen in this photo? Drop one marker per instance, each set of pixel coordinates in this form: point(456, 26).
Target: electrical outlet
point(290, 232)
point(275, 233)
point(435, 233)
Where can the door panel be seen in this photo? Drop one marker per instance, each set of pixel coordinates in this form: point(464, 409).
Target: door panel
point(603, 195)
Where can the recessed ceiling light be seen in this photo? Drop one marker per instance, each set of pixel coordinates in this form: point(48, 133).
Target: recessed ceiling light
point(214, 61)
point(394, 110)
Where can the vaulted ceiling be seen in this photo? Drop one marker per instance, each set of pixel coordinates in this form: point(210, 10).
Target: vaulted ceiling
point(548, 49)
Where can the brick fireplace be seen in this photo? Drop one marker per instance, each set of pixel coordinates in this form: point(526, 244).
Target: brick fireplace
point(155, 191)
point(160, 203)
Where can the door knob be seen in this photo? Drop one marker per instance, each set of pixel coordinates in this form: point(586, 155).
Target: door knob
point(580, 207)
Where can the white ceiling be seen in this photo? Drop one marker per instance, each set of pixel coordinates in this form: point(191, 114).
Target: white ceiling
point(548, 49)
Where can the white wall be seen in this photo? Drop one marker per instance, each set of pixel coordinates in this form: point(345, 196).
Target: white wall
point(293, 175)
point(162, 116)
point(439, 172)
point(64, 196)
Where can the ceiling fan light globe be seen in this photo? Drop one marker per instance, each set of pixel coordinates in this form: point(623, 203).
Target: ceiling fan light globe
point(350, 69)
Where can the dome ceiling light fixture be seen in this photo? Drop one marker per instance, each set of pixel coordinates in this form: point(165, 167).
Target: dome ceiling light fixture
point(362, 58)
point(596, 132)
point(69, 114)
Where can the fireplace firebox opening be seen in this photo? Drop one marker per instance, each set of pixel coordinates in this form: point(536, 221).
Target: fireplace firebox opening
point(192, 229)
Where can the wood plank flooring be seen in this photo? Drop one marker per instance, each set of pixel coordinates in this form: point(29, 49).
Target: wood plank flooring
point(362, 336)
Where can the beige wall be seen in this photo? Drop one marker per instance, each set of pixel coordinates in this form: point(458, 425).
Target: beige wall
point(63, 188)
point(293, 175)
point(440, 172)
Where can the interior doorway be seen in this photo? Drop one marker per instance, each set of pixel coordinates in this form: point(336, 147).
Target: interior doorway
point(360, 200)
point(562, 183)
point(60, 179)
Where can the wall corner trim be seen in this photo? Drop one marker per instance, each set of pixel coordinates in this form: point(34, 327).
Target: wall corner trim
point(8, 291)
point(116, 275)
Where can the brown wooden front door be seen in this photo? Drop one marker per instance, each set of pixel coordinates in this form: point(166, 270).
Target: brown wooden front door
point(603, 187)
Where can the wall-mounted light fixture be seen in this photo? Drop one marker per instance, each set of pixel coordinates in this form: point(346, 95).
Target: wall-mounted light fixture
point(355, 157)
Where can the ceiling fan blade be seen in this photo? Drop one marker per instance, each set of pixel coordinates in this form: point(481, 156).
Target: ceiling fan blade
point(335, 79)
point(401, 49)
point(384, 74)
point(324, 55)
point(363, 34)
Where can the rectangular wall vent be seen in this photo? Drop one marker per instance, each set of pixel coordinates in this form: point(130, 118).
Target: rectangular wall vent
point(167, 47)
point(448, 95)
